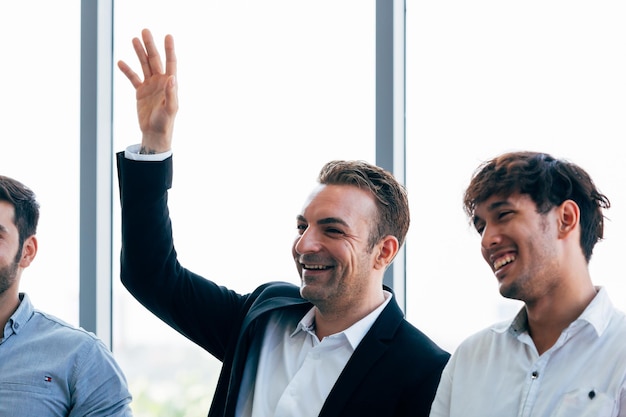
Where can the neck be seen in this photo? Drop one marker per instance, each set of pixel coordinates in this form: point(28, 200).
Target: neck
point(548, 317)
point(331, 321)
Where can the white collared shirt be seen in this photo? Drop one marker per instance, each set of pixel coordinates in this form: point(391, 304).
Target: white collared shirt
point(295, 371)
point(498, 371)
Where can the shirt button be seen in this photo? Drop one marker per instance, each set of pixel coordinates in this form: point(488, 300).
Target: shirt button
point(534, 375)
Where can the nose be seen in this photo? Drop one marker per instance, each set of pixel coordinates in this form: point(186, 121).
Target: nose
point(307, 242)
point(490, 237)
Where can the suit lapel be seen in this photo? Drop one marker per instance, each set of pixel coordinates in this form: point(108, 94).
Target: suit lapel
point(372, 347)
point(272, 304)
point(249, 341)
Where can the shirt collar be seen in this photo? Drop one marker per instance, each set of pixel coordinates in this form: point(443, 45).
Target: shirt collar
point(597, 313)
point(19, 318)
point(354, 333)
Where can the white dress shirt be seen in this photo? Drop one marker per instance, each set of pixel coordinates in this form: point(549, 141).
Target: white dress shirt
point(295, 371)
point(498, 371)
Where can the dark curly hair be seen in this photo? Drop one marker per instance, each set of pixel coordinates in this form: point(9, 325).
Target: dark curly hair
point(548, 181)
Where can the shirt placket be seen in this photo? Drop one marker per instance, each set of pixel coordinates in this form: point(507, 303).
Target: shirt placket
point(532, 387)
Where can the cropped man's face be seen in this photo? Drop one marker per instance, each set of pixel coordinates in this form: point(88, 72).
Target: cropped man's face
point(9, 247)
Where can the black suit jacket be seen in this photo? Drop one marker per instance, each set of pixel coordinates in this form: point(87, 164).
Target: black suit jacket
point(394, 371)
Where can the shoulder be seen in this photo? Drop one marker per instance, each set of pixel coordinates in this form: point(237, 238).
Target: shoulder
point(484, 346)
point(420, 344)
point(277, 289)
point(404, 340)
point(500, 331)
point(391, 324)
point(67, 348)
point(49, 328)
point(273, 295)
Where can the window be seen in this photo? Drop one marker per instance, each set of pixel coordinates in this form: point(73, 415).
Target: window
point(40, 119)
point(487, 77)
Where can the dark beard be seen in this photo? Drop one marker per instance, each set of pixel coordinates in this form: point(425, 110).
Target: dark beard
point(8, 274)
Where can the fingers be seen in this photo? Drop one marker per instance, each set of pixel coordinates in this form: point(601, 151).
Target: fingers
point(153, 58)
point(170, 56)
point(149, 59)
point(129, 73)
point(143, 57)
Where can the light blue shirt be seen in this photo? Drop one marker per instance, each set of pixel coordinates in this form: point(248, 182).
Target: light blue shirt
point(50, 368)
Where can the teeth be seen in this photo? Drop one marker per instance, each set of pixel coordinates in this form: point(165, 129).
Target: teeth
point(314, 266)
point(503, 261)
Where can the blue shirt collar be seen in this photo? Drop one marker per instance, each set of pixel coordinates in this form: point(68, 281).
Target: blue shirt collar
point(20, 317)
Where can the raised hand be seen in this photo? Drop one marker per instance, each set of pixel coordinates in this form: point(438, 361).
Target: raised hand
point(157, 94)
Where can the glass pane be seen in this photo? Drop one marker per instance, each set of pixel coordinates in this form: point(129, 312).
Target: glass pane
point(269, 91)
point(488, 77)
point(40, 119)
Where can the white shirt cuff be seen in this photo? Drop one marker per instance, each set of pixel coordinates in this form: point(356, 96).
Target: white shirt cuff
point(132, 152)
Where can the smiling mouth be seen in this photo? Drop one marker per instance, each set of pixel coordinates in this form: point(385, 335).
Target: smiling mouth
point(504, 260)
point(315, 267)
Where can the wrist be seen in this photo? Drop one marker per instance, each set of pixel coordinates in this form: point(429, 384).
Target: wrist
point(144, 150)
point(152, 146)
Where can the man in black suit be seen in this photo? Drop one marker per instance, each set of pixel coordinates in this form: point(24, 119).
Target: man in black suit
point(338, 345)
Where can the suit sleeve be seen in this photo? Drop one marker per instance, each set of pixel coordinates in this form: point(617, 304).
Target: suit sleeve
point(199, 309)
point(441, 403)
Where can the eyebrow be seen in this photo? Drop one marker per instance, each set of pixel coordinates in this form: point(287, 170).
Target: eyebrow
point(493, 206)
point(326, 220)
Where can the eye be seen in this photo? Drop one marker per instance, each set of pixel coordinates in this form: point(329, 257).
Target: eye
point(301, 227)
point(479, 225)
point(504, 214)
point(333, 231)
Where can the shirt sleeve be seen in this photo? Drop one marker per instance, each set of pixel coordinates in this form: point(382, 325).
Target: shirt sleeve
point(441, 403)
point(99, 387)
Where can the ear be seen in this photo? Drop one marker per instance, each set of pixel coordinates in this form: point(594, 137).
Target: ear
point(386, 249)
point(568, 217)
point(29, 250)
